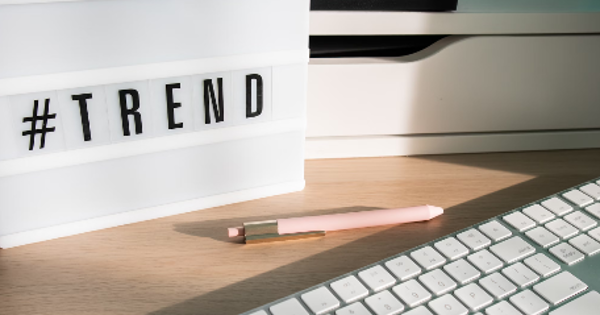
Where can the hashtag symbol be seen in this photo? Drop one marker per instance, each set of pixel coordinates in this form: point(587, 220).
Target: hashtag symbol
point(34, 120)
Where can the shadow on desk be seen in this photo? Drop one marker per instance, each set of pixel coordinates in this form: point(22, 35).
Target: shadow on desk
point(283, 281)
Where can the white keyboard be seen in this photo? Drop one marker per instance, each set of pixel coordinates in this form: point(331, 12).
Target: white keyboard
point(538, 259)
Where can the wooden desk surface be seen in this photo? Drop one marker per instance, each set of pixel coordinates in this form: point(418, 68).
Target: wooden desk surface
point(185, 264)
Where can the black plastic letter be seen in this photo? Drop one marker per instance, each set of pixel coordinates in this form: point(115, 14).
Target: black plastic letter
point(259, 95)
point(171, 105)
point(209, 96)
point(135, 100)
point(85, 116)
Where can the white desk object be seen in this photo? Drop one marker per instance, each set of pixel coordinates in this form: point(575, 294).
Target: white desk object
point(499, 82)
point(113, 112)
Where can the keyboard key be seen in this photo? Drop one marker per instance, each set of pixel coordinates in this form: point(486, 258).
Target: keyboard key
point(560, 287)
point(561, 228)
point(403, 267)
point(260, 313)
point(437, 282)
point(485, 261)
point(495, 230)
point(503, 308)
point(421, 310)
point(592, 190)
point(512, 249)
point(320, 300)
point(529, 302)
point(580, 220)
point(384, 303)
point(539, 213)
point(542, 237)
point(411, 293)
point(498, 285)
point(520, 275)
point(349, 289)
point(567, 253)
point(451, 248)
point(353, 309)
point(585, 305)
point(557, 206)
point(377, 278)
point(595, 233)
point(474, 239)
point(462, 271)
point(473, 297)
point(578, 198)
point(448, 305)
point(585, 244)
point(519, 221)
point(288, 307)
point(428, 258)
point(594, 210)
point(543, 265)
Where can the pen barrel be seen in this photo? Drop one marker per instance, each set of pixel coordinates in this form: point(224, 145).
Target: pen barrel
point(354, 220)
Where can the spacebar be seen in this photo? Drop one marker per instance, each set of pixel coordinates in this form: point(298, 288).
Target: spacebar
point(588, 304)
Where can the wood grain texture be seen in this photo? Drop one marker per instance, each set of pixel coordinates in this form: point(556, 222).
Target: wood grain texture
point(185, 264)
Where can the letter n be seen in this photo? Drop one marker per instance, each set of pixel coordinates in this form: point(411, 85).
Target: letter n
point(209, 98)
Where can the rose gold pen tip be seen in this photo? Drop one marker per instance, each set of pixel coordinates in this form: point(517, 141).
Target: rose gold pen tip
point(435, 211)
point(235, 231)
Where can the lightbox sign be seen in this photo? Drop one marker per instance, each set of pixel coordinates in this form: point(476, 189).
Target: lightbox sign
point(100, 115)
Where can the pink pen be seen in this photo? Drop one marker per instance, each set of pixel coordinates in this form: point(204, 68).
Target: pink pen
point(295, 228)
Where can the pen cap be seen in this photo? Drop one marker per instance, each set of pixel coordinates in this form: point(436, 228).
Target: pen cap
point(266, 231)
point(260, 228)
